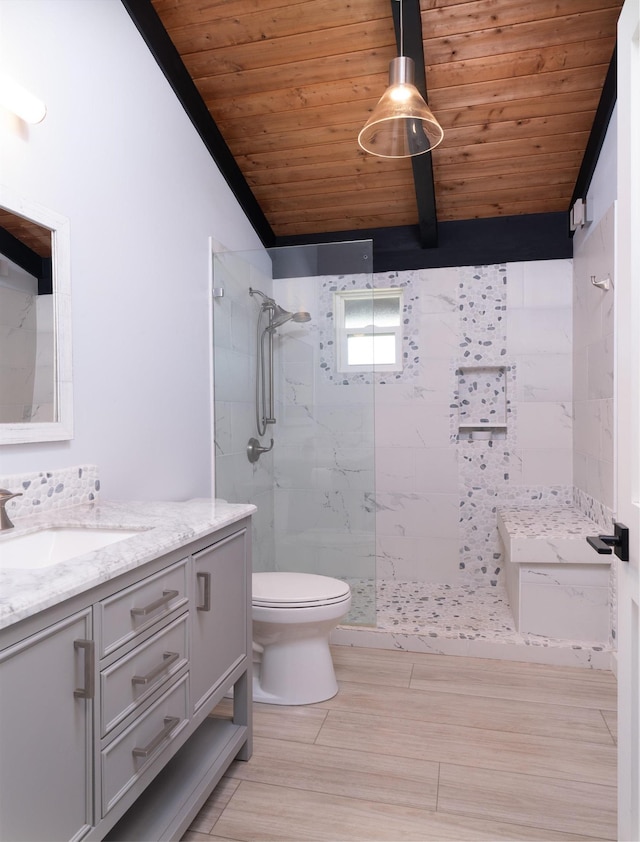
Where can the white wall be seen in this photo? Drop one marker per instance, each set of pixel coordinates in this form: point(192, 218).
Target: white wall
point(118, 156)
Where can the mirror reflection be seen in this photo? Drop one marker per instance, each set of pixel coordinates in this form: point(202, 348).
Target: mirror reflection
point(36, 390)
point(27, 346)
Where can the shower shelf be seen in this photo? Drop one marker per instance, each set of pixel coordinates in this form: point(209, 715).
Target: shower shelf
point(481, 396)
point(483, 425)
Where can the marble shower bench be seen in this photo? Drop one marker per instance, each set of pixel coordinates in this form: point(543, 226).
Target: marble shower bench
point(558, 585)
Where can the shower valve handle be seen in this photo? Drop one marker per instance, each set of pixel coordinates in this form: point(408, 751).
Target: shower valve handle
point(255, 450)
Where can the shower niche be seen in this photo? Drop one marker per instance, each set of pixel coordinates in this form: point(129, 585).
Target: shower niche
point(482, 401)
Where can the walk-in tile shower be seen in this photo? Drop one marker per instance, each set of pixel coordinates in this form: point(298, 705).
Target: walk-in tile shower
point(392, 479)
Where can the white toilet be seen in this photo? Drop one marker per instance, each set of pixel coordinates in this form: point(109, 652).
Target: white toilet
point(293, 615)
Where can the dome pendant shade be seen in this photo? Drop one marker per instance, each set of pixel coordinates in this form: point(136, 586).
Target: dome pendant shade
point(402, 124)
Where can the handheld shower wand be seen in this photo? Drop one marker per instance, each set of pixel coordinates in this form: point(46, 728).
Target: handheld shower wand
point(277, 316)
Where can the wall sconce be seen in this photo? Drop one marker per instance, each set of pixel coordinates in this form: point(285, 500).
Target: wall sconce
point(20, 101)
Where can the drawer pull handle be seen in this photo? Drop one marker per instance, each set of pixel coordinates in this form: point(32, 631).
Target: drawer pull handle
point(166, 597)
point(168, 659)
point(207, 591)
point(170, 723)
point(86, 692)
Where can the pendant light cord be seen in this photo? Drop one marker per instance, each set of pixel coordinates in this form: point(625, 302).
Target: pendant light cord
point(401, 30)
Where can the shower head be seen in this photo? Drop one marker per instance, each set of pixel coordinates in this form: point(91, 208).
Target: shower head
point(278, 314)
point(302, 316)
point(281, 316)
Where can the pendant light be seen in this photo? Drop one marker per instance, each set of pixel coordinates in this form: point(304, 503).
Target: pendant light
point(402, 124)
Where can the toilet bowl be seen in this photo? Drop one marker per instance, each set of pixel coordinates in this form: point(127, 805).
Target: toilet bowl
point(293, 616)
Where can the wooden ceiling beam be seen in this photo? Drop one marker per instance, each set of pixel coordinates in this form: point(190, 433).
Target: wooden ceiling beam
point(411, 31)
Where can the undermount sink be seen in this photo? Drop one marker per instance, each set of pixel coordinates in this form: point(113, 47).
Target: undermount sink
point(51, 546)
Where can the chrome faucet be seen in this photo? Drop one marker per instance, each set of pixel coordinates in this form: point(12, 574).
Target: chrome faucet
point(5, 496)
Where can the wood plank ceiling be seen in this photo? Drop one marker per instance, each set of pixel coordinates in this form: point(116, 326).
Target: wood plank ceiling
point(289, 84)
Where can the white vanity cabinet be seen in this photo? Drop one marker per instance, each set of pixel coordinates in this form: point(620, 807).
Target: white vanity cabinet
point(105, 730)
point(46, 708)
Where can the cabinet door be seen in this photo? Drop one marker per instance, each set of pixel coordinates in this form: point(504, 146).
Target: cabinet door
point(45, 734)
point(219, 634)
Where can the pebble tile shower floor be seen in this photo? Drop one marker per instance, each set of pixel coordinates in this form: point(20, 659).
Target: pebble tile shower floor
point(448, 613)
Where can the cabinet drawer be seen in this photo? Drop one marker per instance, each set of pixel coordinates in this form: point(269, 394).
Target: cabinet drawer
point(132, 679)
point(125, 614)
point(131, 754)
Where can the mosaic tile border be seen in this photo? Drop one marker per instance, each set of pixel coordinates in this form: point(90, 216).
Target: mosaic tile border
point(410, 337)
point(47, 490)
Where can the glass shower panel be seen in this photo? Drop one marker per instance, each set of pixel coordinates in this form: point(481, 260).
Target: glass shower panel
point(324, 513)
point(315, 489)
point(234, 366)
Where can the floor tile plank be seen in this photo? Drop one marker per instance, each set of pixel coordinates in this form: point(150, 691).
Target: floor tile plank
point(501, 751)
point(518, 716)
point(384, 779)
point(301, 724)
point(423, 747)
point(272, 814)
point(524, 799)
point(579, 688)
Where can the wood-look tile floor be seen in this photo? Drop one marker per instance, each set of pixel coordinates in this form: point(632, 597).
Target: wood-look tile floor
point(428, 747)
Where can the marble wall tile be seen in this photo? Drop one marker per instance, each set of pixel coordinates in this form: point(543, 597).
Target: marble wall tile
point(436, 469)
point(300, 510)
point(600, 368)
point(413, 425)
point(234, 375)
point(565, 612)
point(544, 377)
point(547, 466)
point(438, 290)
point(545, 425)
point(547, 283)
point(589, 575)
point(439, 335)
point(343, 469)
point(540, 331)
point(431, 385)
point(600, 481)
point(409, 559)
point(417, 515)
point(395, 469)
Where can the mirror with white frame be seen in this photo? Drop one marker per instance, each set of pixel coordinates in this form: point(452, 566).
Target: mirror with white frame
point(36, 400)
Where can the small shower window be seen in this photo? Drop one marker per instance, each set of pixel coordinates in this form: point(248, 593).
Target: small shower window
point(369, 330)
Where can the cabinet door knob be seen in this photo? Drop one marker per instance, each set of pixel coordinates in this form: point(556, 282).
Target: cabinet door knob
point(86, 692)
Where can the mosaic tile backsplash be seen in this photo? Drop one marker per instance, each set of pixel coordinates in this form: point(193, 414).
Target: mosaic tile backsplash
point(51, 489)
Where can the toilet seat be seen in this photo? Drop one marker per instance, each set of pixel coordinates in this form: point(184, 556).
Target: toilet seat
point(297, 590)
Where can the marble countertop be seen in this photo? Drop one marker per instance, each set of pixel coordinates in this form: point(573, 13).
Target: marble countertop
point(548, 535)
point(164, 527)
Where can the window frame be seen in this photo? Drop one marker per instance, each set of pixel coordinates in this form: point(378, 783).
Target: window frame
point(342, 333)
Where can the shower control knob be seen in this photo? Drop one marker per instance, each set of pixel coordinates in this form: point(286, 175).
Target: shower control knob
point(255, 450)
